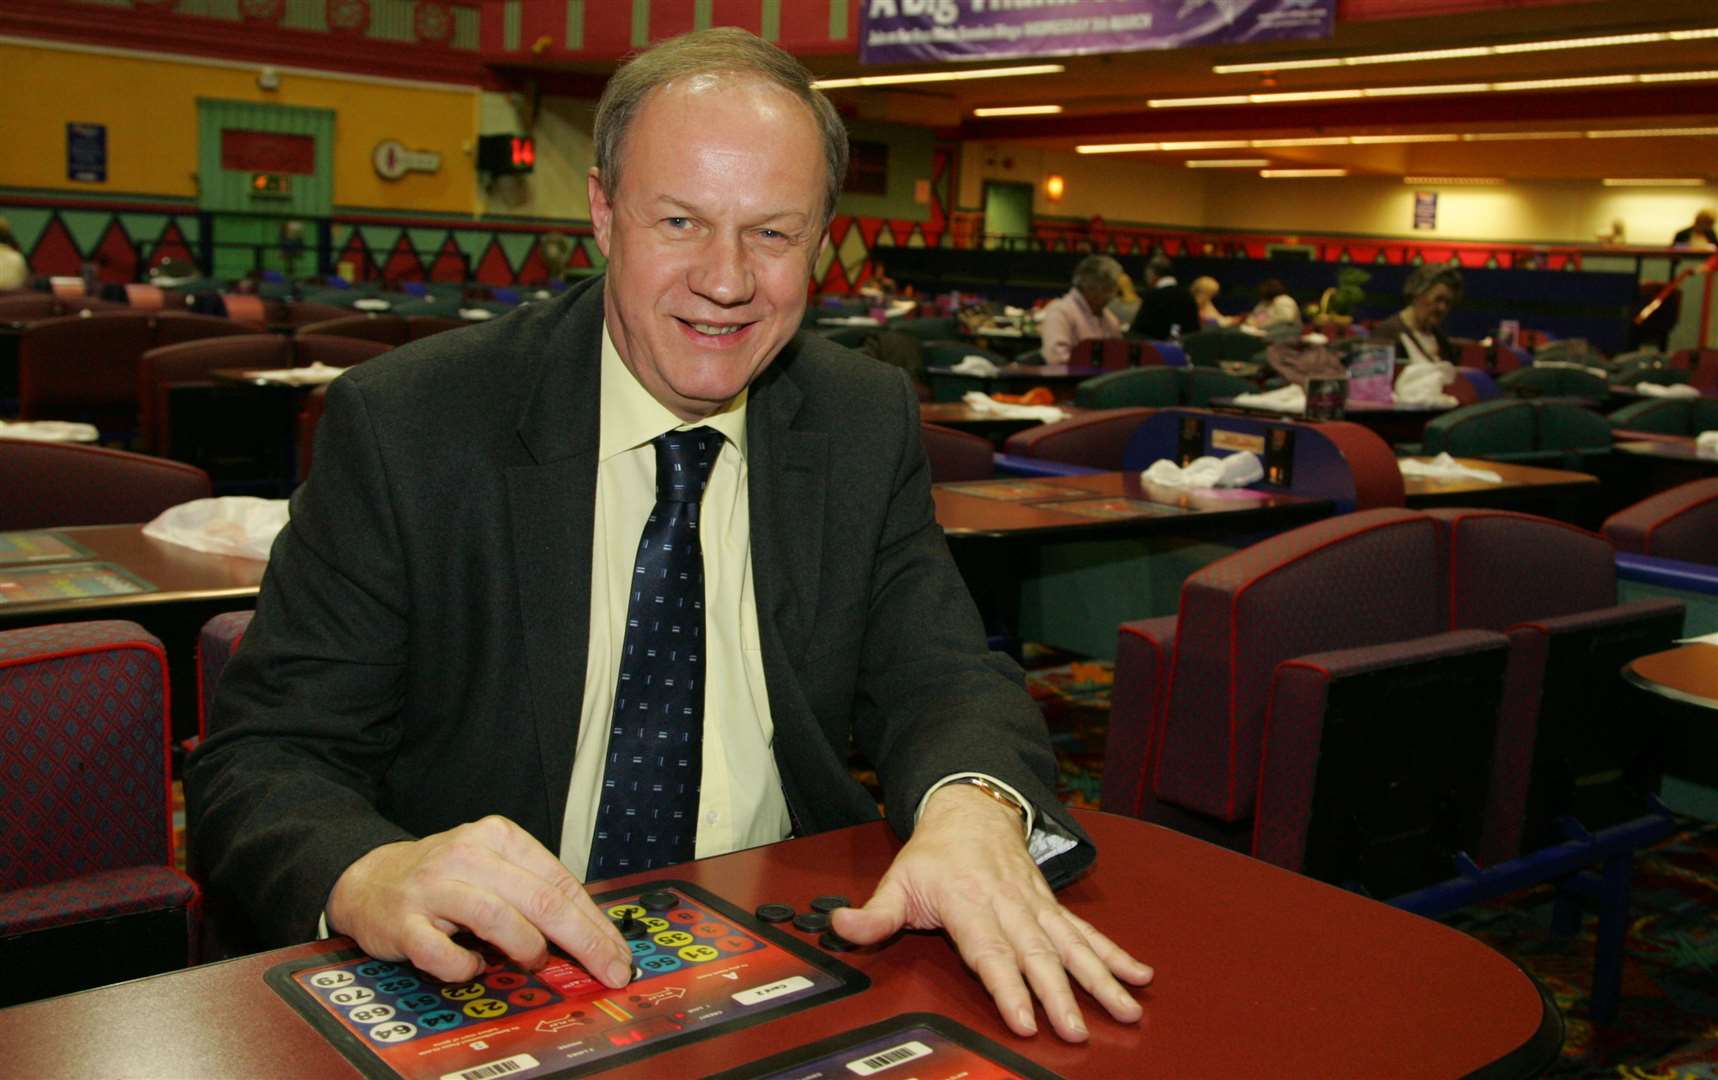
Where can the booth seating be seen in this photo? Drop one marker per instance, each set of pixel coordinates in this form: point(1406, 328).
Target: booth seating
point(1209, 348)
point(88, 892)
point(1158, 386)
point(391, 330)
point(1094, 439)
point(1110, 354)
point(1680, 524)
point(175, 371)
point(1509, 429)
point(46, 484)
point(1340, 461)
point(216, 643)
point(84, 368)
point(1560, 382)
point(956, 455)
point(1381, 698)
point(1657, 417)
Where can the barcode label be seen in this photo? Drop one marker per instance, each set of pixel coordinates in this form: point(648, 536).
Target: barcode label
point(888, 1059)
point(504, 1067)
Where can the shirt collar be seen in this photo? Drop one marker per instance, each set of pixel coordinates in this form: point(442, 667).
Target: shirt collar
point(631, 417)
point(1164, 282)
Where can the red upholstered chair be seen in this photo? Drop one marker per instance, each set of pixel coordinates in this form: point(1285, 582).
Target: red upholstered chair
point(308, 349)
point(86, 834)
point(1095, 439)
point(83, 368)
point(955, 455)
point(48, 484)
point(1680, 524)
point(1147, 355)
point(1552, 588)
point(216, 643)
point(188, 363)
point(247, 308)
point(1110, 354)
point(418, 326)
point(172, 327)
point(389, 329)
point(298, 313)
point(28, 307)
point(145, 297)
point(1289, 699)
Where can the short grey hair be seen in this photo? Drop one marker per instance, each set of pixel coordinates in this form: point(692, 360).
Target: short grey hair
point(1159, 266)
point(724, 50)
point(1097, 270)
point(1428, 277)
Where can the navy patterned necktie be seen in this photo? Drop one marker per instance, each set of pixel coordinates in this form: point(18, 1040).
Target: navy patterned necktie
point(648, 815)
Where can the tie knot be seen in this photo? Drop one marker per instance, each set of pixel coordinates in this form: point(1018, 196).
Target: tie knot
point(683, 461)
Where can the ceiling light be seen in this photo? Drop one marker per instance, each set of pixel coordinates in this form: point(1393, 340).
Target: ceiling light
point(1662, 181)
point(1603, 41)
point(1297, 174)
point(1199, 102)
point(1118, 148)
point(1207, 144)
point(1388, 140)
point(1436, 89)
point(1310, 140)
point(1018, 110)
point(1452, 181)
point(1518, 136)
point(1226, 163)
point(1380, 140)
point(1410, 91)
point(1679, 76)
point(957, 75)
point(1650, 133)
point(1559, 84)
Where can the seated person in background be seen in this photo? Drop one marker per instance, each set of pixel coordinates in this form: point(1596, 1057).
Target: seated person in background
point(1126, 304)
point(1166, 308)
point(1082, 314)
point(1700, 234)
point(1275, 309)
point(449, 710)
point(14, 270)
point(1417, 330)
point(1205, 290)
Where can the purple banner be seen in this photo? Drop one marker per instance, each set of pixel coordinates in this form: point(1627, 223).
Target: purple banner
point(920, 31)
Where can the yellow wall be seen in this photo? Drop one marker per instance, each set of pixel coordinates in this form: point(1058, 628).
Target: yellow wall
point(1116, 188)
point(150, 109)
point(565, 154)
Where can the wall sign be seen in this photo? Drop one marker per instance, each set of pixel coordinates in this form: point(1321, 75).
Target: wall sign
point(918, 31)
point(1425, 209)
point(86, 153)
point(392, 160)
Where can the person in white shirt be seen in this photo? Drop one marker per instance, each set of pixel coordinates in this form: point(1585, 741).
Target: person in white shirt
point(1083, 313)
point(14, 270)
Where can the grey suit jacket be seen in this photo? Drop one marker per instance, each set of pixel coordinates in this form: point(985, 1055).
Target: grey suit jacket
point(418, 654)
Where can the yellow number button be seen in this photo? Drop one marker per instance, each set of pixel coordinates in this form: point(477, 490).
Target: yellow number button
point(621, 911)
point(672, 939)
point(485, 1009)
point(698, 954)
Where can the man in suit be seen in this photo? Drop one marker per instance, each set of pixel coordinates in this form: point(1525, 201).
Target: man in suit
point(419, 733)
point(1166, 307)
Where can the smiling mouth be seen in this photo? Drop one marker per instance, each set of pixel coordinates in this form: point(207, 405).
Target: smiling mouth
point(715, 329)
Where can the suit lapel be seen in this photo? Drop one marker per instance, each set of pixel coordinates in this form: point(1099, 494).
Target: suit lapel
point(787, 488)
point(552, 504)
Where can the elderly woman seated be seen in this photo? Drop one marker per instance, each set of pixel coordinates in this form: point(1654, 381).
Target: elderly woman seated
point(1417, 330)
point(1082, 313)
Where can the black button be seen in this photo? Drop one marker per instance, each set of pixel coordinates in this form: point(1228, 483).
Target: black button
point(812, 922)
point(631, 927)
point(835, 942)
point(774, 913)
point(658, 901)
point(827, 904)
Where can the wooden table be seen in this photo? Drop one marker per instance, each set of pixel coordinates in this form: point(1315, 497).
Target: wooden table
point(963, 417)
point(188, 589)
point(1687, 674)
point(1049, 508)
point(1393, 422)
point(1528, 488)
point(948, 384)
point(1260, 972)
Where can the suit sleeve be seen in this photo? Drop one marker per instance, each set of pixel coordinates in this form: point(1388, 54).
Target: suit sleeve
point(932, 698)
point(283, 794)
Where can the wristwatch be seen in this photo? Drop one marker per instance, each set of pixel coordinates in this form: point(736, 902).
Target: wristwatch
point(996, 792)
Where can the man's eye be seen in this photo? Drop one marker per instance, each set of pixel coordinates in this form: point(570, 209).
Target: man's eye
point(678, 222)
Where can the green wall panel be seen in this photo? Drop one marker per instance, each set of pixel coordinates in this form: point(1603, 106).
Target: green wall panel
point(515, 246)
point(229, 189)
point(27, 224)
point(427, 242)
point(86, 227)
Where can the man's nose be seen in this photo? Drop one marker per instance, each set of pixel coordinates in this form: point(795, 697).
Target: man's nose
point(724, 273)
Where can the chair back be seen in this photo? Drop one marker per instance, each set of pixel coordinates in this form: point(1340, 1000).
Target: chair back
point(165, 366)
point(1095, 439)
point(1562, 426)
point(299, 313)
point(43, 485)
point(1110, 354)
point(1200, 385)
point(388, 329)
point(216, 643)
point(1505, 426)
point(79, 367)
point(1150, 387)
point(1680, 524)
point(308, 349)
point(1534, 382)
point(28, 307)
point(956, 455)
point(172, 327)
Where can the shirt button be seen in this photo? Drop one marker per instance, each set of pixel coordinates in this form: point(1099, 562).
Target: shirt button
point(711, 817)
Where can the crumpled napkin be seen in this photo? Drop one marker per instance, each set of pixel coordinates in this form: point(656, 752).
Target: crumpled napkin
point(1235, 470)
point(1590, 369)
point(1288, 399)
point(314, 375)
point(1707, 443)
point(1666, 389)
point(1444, 467)
point(49, 431)
point(241, 525)
point(976, 365)
point(475, 314)
point(984, 403)
point(371, 303)
point(1423, 383)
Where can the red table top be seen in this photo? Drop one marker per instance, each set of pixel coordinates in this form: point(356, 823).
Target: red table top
point(1259, 972)
point(962, 513)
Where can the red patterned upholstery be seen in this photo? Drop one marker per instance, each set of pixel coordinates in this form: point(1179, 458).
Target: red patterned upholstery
point(102, 894)
point(49, 484)
point(1680, 524)
point(28, 307)
point(215, 645)
point(1506, 567)
point(1094, 439)
point(83, 368)
point(955, 455)
point(1145, 654)
point(1110, 354)
point(1371, 464)
point(390, 329)
point(173, 327)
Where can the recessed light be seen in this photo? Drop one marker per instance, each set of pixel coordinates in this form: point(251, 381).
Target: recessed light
point(1460, 52)
point(1298, 174)
point(1227, 163)
point(939, 76)
point(1650, 181)
point(1453, 181)
point(1018, 110)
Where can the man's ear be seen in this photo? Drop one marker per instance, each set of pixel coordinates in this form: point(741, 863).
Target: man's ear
point(602, 211)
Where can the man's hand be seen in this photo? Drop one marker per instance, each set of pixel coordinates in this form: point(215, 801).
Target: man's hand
point(966, 870)
point(490, 877)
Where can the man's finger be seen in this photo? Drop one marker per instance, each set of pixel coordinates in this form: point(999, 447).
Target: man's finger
point(1121, 963)
point(431, 951)
point(1041, 963)
point(1088, 969)
point(882, 916)
point(986, 951)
